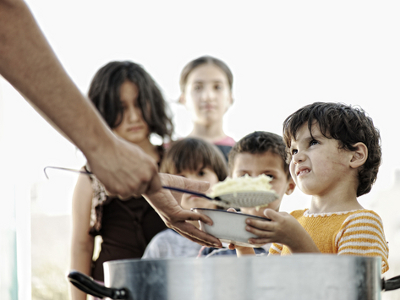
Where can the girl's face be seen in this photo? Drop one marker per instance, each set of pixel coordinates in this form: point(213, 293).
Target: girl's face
point(132, 128)
point(190, 201)
point(207, 94)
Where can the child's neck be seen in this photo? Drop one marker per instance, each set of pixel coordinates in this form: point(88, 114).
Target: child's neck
point(335, 202)
point(211, 133)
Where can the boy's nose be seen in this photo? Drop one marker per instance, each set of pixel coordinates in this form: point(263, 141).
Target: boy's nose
point(298, 157)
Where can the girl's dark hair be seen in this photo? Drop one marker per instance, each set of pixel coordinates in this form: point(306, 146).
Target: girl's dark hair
point(346, 124)
point(194, 154)
point(201, 61)
point(260, 142)
point(104, 92)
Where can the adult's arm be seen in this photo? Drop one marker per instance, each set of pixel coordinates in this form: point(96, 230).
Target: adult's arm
point(30, 65)
point(166, 203)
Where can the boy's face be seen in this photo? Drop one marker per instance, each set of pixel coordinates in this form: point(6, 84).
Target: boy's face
point(270, 164)
point(190, 201)
point(318, 166)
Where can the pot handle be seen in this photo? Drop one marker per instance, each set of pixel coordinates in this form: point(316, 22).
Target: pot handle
point(89, 286)
point(391, 284)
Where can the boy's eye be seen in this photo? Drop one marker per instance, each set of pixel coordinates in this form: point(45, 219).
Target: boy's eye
point(270, 176)
point(201, 173)
point(313, 142)
point(293, 151)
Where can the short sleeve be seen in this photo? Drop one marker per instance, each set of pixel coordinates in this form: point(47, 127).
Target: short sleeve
point(362, 234)
point(155, 248)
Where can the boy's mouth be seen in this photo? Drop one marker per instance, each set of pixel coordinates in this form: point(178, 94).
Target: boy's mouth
point(302, 171)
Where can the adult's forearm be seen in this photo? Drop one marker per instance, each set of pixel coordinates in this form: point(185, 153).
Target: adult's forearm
point(30, 65)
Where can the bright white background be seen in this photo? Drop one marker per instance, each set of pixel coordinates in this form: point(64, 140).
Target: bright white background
point(283, 54)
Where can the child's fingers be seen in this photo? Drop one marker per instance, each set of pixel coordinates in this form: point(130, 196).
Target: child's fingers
point(231, 209)
point(260, 224)
point(272, 214)
point(232, 246)
point(261, 233)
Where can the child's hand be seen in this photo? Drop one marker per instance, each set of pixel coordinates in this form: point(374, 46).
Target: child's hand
point(284, 229)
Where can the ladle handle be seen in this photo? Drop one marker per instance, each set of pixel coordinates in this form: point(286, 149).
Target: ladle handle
point(187, 192)
point(89, 286)
point(391, 284)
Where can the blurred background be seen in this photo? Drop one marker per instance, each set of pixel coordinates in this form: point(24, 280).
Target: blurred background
point(283, 54)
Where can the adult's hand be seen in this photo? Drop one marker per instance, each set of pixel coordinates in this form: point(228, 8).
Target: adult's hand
point(30, 65)
point(124, 169)
point(166, 203)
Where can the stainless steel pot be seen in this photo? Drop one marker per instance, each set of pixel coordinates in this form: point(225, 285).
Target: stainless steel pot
point(297, 277)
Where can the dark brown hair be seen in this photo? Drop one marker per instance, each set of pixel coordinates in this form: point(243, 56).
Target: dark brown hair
point(346, 124)
point(194, 154)
point(260, 142)
point(104, 92)
point(201, 61)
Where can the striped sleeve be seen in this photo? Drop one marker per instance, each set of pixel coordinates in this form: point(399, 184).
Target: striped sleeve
point(362, 234)
point(275, 249)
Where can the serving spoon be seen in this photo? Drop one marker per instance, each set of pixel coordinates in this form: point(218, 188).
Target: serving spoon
point(234, 199)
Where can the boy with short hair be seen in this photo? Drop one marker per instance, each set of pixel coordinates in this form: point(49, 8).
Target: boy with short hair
point(259, 153)
point(335, 156)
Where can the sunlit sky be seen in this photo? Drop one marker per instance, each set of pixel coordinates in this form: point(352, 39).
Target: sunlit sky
point(283, 54)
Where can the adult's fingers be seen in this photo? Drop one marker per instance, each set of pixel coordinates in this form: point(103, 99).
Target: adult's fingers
point(154, 185)
point(195, 185)
point(191, 232)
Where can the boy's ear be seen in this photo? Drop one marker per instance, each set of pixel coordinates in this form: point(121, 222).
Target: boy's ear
point(290, 187)
point(182, 99)
point(360, 155)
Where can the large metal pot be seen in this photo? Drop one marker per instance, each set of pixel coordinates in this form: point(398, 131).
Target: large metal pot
point(301, 276)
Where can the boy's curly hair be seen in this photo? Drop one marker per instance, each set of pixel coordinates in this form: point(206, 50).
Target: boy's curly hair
point(347, 124)
point(259, 142)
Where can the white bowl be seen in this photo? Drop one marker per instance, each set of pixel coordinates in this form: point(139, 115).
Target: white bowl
point(228, 227)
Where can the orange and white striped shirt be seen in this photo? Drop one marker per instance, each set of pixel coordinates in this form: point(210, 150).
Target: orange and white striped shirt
point(358, 232)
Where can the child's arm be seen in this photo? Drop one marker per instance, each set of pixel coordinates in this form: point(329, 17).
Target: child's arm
point(283, 229)
point(241, 251)
point(82, 243)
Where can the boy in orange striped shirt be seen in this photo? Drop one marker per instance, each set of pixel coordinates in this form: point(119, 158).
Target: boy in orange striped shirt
point(335, 155)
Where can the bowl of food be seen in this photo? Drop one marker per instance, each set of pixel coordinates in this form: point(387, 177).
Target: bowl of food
point(245, 191)
point(228, 227)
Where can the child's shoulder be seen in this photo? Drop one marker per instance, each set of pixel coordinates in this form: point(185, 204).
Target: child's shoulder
point(353, 214)
point(166, 234)
point(364, 215)
point(299, 212)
